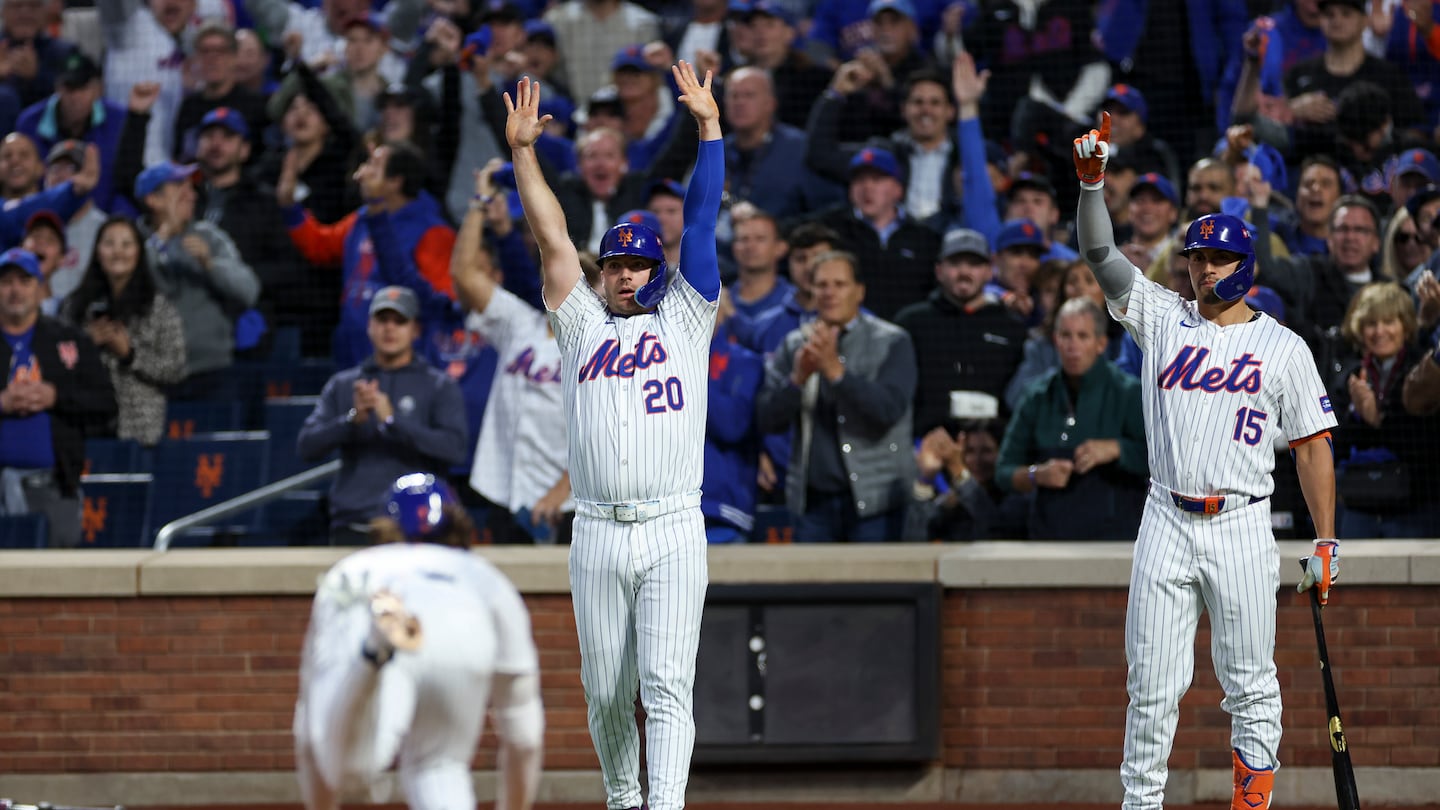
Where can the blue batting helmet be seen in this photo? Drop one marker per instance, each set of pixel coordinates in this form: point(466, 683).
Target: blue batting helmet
point(417, 503)
point(1224, 232)
point(635, 239)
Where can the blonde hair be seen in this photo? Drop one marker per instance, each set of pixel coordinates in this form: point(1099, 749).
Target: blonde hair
point(1389, 268)
point(1378, 302)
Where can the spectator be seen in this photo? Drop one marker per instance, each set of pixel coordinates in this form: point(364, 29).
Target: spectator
point(64, 162)
point(1273, 44)
point(34, 57)
point(1018, 251)
point(926, 145)
point(667, 203)
point(317, 35)
point(765, 159)
point(1421, 394)
point(648, 111)
point(1130, 131)
point(1032, 196)
point(758, 250)
point(1387, 477)
point(957, 498)
point(871, 82)
point(873, 225)
point(1207, 185)
point(391, 180)
point(471, 120)
point(1077, 439)
point(317, 149)
point(45, 237)
point(20, 168)
point(851, 476)
point(199, 270)
point(230, 199)
point(965, 340)
point(215, 54)
point(252, 64)
point(1401, 252)
point(390, 415)
point(406, 114)
point(145, 43)
point(703, 31)
point(731, 446)
point(521, 465)
point(589, 32)
point(56, 393)
point(602, 184)
point(1407, 173)
point(1424, 208)
point(771, 46)
point(1320, 186)
point(841, 29)
point(138, 331)
point(76, 110)
point(1154, 211)
point(542, 60)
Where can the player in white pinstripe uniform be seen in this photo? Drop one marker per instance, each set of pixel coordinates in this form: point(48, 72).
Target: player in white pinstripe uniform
point(1218, 379)
point(409, 642)
point(636, 366)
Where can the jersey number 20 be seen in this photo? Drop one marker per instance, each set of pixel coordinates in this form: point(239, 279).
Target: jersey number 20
point(663, 396)
point(1249, 425)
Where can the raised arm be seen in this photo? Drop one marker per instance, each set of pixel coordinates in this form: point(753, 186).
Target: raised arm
point(470, 264)
point(698, 262)
point(1094, 231)
point(560, 264)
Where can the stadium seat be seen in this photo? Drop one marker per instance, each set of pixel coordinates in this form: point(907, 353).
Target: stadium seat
point(772, 525)
point(114, 456)
point(283, 419)
point(186, 419)
point(24, 531)
point(204, 470)
point(114, 510)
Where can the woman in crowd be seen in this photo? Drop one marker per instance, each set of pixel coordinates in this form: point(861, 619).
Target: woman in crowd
point(138, 331)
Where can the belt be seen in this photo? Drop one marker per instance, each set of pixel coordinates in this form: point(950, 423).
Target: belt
point(638, 511)
point(1212, 505)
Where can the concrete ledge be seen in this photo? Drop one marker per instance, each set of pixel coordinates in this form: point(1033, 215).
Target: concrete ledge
point(230, 571)
point(826, 562)
point(100, 572)
point(921, 785)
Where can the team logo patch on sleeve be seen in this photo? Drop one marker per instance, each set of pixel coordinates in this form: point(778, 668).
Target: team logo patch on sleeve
point(1325, 405)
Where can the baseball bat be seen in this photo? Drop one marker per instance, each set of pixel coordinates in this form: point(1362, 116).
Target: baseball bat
point(1346, 795)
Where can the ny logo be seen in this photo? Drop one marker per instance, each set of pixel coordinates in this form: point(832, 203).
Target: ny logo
point(626, 237)
point(92, 517)
point(181, 428)
point(209, 472)
point(1207, 228)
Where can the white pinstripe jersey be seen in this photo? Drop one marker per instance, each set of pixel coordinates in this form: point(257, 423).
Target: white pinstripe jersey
point(636, 392)
point(1214, 396)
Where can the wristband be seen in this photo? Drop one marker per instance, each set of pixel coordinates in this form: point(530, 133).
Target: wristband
point(1031, 473)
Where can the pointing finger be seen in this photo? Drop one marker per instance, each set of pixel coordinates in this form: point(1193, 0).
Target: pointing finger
point(1104, 126)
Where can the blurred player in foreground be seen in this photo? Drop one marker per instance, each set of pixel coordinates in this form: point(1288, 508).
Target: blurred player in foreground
point(410, 641)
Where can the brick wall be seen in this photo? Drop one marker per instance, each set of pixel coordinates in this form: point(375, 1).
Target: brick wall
point(1033, 679)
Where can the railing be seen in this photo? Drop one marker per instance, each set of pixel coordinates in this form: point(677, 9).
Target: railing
point(240, 503)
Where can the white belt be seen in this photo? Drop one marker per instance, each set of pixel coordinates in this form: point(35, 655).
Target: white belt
point(638, 511)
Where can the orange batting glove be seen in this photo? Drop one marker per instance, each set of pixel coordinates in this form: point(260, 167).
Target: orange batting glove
point(1092, 152)
point(1322, 569)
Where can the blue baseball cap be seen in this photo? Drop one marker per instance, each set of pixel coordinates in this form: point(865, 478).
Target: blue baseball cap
point(559, 108)
point(23, 259)
point(769, 8)
point(631, 57)
point(1158, 182)
point(158, 175)
point(1020, 233)
point(666, 186)
point(504, 176)
point(1414, 161)
point(1267, 301)
point(477, 44)
point(228, 118)
point(1271, 164)
point(902, 7)
point(539, 29)
point(878, 160)
point(1128, 97)
point(640, 216)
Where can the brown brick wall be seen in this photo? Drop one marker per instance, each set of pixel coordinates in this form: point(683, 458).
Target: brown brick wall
point(1033, 679)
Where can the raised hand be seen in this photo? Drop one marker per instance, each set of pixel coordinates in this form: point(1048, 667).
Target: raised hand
point(525, 124)
point(694, 94)
point(143, 96)
point(85, 180)
point(968, 84)
point(1092, 152)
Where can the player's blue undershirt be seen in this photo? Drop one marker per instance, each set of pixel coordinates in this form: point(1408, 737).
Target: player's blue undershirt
point(699, 263)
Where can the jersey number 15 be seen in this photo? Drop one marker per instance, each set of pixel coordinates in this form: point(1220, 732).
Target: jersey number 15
point(1249, 426)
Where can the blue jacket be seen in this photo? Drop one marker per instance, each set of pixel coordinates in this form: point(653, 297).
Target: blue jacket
point(106, 122)
point(61, 199)
point(1288, 41)
point(730, 442)
point(775, 177)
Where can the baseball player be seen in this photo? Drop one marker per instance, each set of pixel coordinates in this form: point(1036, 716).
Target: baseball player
point(637, 360)
point(409, 642)
point(1218, 379)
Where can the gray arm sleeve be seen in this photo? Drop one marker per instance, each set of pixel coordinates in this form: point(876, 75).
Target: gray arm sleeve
point(1096, 237)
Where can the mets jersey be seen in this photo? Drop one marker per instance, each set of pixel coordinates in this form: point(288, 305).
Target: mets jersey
point(635, 393)
point(1215, 396)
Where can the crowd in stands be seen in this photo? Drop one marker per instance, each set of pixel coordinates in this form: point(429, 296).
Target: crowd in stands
point(908, 346)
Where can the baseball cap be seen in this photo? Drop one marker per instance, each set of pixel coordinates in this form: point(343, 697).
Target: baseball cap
point(1039, 182)
point(606, 98)
point(631, 57)
point(640, 216)
point(1415, 161)
point(397, 299)
point(23, 259)
point(78, 71)
point(770, 8)
point(873, 159)
point(558, 107)
point(403, 93)
point(372, 20)
point(1267, 301)
point(1129, 98)
point(1268, 160)
point(48, 219)
point(499, 11)
point(1358, 5)
point(1157, 182)
point(228, 118)
point(71, 150)
point(965, 241)
point(1419, 199)
point(1019, 233)
point(666, 186)
point(158, 175)
point(541, 30)
point(476, 44)
point(902, 7)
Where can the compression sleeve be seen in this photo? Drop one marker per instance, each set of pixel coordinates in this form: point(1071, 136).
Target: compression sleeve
point(698, 261)
point(1096, 236)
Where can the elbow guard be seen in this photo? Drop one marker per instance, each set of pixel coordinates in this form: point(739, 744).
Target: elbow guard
point(522, 725)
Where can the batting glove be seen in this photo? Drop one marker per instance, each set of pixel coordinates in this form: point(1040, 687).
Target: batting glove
point(1322, 569)
point(1092, 152)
